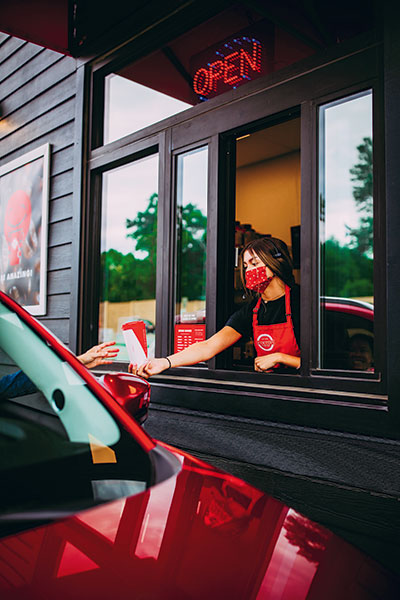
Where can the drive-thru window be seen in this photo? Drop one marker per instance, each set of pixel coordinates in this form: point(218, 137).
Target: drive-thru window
point(221, 136)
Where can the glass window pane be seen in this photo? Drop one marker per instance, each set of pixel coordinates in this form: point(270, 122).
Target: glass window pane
point(130, 106)
point(346, 234)
point(128, 250)
point(191, 227)
point(231, 49)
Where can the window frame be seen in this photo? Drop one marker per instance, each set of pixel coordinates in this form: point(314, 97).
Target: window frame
point(379, 376)
point(353, 66)
point(91, 256)
point(206, 143)
point(227, 200)
point(310, 376)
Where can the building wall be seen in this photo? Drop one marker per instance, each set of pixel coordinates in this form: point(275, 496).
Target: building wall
point(37, 103)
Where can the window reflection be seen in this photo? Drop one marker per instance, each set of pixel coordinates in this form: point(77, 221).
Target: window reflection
point(201, 534)
point(130, 106)
point(361, 352)
point(346, 232)
point(234, 47)
point(191, 224)
point(298, 551)
point(128, 250)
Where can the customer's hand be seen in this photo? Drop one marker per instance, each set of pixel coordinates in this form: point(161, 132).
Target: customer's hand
point(99, 355)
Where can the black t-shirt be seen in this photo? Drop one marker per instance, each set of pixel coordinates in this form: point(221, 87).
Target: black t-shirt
point(269, 313)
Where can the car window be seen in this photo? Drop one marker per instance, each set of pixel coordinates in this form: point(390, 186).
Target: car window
point(65, 391)
point(60, 449)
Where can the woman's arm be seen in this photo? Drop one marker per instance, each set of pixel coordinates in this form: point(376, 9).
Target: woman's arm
point(269, 361)
point(199, 352)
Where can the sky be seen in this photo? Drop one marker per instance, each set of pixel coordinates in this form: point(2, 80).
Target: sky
point(346, 126)
point(127, 189)
point(193, 188)
point(123, 98)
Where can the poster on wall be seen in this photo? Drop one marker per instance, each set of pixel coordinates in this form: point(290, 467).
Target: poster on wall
point(24, 198)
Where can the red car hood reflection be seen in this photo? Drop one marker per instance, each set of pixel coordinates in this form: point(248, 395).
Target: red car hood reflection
point(199, 535)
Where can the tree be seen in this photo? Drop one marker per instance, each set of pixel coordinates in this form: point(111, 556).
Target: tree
point(310, 538)
point(347, 272)
point(144, 227)
point(126, 277)
point(362, 173)
point(192, 234)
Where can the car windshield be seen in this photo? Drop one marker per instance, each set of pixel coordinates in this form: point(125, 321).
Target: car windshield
point(60, 449)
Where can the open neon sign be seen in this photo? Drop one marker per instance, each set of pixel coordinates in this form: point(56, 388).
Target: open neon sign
point(239, 60)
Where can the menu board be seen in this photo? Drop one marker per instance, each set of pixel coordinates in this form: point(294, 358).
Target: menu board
point(188, 334)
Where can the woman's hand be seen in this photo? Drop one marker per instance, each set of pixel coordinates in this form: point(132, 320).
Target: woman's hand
point(150, 367)
point(267, 362)
point(193, 354)
point(99, 355)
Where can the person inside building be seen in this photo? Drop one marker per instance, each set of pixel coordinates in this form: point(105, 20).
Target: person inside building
point(271, 317)
point(361, 352)
point(18, 384)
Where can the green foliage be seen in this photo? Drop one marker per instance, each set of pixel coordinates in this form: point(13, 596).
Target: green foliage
point(347, 272)
point(144, 227)
point(192, 231)
point(126, 277)
point(362, 173)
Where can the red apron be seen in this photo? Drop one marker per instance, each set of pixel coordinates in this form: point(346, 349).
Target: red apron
point(278, 337)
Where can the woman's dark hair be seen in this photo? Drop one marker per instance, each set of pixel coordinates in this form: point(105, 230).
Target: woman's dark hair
point(274, 254)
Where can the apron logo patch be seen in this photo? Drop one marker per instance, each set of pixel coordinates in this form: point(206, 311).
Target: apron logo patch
point(265, 341)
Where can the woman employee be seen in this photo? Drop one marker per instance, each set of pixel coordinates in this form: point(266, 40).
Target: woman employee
point(272, 317)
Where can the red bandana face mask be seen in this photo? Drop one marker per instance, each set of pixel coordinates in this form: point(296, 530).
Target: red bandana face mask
point(257, 279)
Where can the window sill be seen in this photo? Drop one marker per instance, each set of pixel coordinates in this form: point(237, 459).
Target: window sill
point(318, 388)
point(271, 390)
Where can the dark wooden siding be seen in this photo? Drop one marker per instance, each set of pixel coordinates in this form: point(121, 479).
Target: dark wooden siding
point(37, 102)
